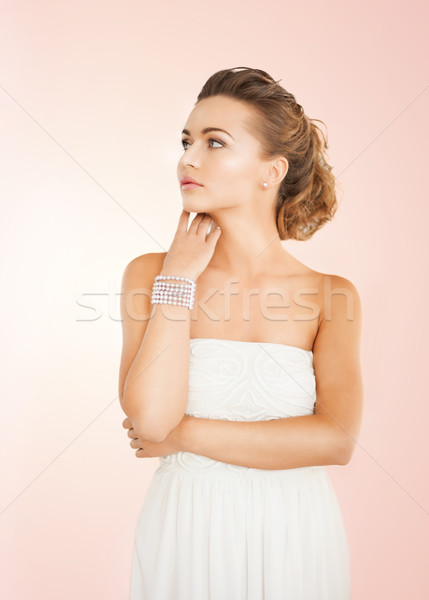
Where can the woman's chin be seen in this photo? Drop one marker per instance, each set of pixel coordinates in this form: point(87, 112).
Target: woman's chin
point(192, 207)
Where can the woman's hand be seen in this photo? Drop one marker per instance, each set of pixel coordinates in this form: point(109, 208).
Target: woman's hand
point(191, 250)
point(148, 449)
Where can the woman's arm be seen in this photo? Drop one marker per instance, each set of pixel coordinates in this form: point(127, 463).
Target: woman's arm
point(154, 353)
point(154, 371)
point(327, 437)
point(286, 443)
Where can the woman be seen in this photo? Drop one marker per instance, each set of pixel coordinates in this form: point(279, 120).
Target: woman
point(245, 386)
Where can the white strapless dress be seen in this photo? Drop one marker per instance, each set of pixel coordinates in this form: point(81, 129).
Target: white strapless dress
point(209, 530)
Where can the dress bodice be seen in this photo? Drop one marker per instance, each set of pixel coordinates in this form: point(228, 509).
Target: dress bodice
point(243, 381)
point(249, 381)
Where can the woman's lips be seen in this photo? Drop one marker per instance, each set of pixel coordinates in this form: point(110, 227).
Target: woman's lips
point(190, 186)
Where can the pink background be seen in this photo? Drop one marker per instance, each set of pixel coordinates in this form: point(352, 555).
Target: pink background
point(93, 98)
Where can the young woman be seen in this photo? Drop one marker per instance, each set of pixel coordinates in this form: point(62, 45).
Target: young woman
point(246, 380)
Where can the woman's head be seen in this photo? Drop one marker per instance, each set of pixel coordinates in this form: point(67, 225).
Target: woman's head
point(270, 140)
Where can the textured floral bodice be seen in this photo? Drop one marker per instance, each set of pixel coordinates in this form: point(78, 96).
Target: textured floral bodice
point(245, 381)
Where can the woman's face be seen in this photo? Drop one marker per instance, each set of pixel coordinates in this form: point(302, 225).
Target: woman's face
point(226, 163)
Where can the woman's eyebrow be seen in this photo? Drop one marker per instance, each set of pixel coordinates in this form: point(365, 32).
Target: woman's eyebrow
point(207, 129)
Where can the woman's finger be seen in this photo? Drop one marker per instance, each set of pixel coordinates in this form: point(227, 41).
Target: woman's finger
point(183, 221)
point(214, 235)
point(204, 225)
point(196, 221)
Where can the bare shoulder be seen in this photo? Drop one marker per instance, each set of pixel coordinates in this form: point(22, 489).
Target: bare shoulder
point(145, 263)
point(339, 294)
point(137, 283)
point(340, 328)
point(327, 285)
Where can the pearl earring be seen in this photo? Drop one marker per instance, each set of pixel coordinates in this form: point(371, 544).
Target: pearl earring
point(265, 184)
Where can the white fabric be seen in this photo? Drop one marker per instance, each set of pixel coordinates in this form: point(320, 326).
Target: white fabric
point(209, 530)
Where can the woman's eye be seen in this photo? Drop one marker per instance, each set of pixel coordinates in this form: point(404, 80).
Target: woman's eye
point(210, 140)
point(217, 141)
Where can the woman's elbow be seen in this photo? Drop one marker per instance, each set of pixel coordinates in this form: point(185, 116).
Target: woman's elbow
point(345, 453)
point(151, 427)
point(143, 428)
point(147, 431)
point(152, 430)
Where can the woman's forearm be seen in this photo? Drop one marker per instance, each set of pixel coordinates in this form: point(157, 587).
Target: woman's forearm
point(156, 386)
point(286, 443)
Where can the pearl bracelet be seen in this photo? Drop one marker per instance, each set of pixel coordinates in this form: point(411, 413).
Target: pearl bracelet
point(178, 294)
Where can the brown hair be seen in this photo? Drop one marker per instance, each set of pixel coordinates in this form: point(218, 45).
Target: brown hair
point(307, 197)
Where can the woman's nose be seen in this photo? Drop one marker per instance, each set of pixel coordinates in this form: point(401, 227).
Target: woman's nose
point(190, 157)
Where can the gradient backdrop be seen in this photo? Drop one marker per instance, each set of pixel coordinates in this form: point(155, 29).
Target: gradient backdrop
point(93, 98)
